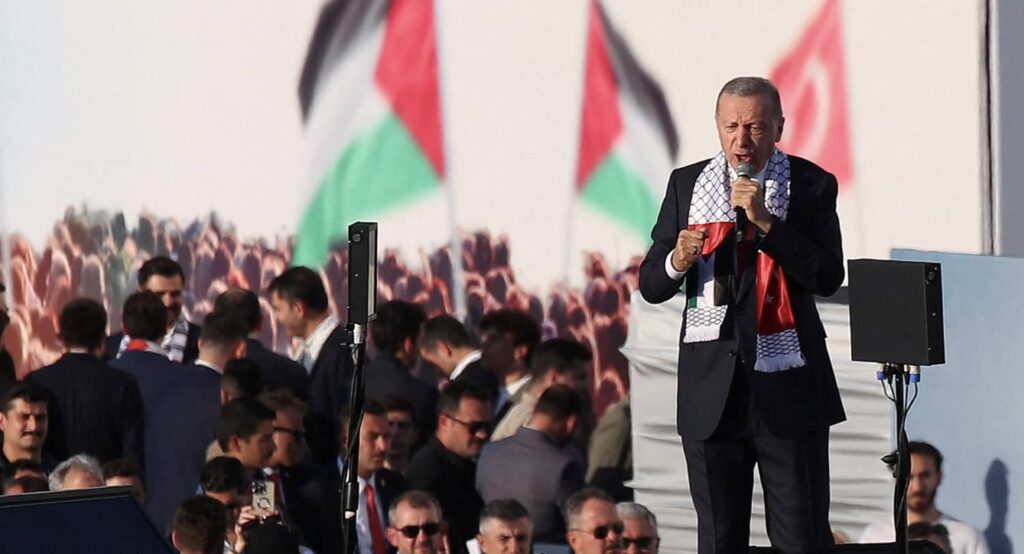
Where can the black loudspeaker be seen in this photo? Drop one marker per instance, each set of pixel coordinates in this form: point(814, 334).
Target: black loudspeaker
point(104, 520)
point(896, 312)
point(362, 272)
point(916, 547)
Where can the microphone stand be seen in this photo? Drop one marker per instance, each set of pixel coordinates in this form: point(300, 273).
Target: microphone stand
point(350, 480)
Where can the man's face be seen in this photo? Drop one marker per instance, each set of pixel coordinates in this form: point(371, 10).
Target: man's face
point(925, 479)
point(289, 439)
point(407, 517)
point(288, 315)
point(639, 537)
point(25, 425)
point(170, 291)
point(499, 536)
point(747, 129)
point(373, 443)
point(256, 450)
point(497, 351)
point(599, 530)
point(402, 435)
point(467, 431)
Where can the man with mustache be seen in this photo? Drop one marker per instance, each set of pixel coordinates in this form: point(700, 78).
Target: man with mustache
point(165, 278)
point(24, 422)
point(925, 478)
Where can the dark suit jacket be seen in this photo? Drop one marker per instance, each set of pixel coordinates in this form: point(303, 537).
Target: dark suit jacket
point(330, 385)
point(389, 486)
point(182, 410)
point(311, 496)
point(386, 376)
point(482, 377)
point(94, 409)
point(808, 246)
point(452, 481)
point(277, 371)
point(533, 468)
point(189, 355)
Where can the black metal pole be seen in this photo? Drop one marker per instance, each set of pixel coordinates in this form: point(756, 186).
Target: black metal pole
point(350, 481)
point(899, 375)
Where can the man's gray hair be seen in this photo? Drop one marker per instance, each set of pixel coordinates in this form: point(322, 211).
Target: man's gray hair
point(574, 504)
point(753, 86)
point(415, 499)
point(632, 510)
point(81, 462)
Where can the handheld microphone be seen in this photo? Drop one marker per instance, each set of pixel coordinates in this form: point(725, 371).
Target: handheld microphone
point(744, 169)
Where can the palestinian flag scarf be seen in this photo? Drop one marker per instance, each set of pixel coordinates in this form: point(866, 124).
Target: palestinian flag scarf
point(709, 290)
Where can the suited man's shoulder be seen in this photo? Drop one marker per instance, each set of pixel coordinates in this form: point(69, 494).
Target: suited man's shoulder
point(390, 479)
point(806, 174)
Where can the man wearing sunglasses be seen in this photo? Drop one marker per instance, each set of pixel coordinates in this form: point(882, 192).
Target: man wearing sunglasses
point(640, 531)
point(594, 525)
point(446, 466)
point(415, 524)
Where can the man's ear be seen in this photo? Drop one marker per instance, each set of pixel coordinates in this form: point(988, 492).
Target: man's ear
point(519, 353)
point(174, 540)
point(240, 349)
point(3, 421)
point(392, 536)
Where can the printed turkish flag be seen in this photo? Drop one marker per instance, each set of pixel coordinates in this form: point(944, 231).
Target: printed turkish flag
point(812, 82)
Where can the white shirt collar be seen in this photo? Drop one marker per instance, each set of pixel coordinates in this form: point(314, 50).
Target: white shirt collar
point(315, 341)
point(463, 364)
point(214, 367)
point(513, 387)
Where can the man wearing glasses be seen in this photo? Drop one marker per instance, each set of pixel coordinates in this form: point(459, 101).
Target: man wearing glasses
point(446, 466)
point(594, 525)
point(415, 524)
point(640, 529)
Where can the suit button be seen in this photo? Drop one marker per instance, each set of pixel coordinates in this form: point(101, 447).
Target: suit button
point(739, 312)
point(732, 353)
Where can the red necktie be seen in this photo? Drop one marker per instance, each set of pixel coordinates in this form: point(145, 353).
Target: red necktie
point(376, 533)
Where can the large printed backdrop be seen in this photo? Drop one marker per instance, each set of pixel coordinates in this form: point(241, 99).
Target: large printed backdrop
point(513, 155)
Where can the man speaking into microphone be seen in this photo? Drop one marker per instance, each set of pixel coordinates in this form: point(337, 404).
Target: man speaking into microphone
point(751, 236)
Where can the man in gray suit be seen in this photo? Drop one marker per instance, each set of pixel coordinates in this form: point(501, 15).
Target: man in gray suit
point(537, 466)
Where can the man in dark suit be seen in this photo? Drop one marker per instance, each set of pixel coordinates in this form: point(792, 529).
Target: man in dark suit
point(537, 465)
point(507, 340)
point(755, 382)
point(180, 340)
point(379, 487)
point(94, 408)
point(276, 370)
point(448, 346)
point(222, 340)
point(394, 333)
point(307, 493)
point(181, 404)
point(446, 466)
point(301, 308)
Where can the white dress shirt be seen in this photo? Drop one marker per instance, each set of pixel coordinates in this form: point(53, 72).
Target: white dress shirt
point(463, 364)
point(314, 343)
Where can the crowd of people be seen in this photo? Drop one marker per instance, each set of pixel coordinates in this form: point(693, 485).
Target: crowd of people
point(93, 254)
point(188, 415)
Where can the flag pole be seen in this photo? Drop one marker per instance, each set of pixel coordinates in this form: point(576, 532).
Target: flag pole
point(458, 292)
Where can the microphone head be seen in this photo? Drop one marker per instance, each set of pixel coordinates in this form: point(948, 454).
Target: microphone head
point(744, 169)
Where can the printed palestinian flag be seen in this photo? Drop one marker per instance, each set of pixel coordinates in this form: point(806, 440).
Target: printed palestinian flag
point(628, 141)
point(371, 104)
